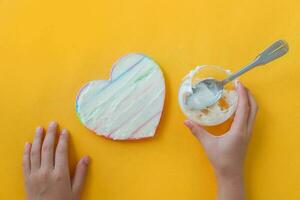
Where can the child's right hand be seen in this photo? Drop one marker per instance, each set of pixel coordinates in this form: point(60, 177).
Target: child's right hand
point(227, 152)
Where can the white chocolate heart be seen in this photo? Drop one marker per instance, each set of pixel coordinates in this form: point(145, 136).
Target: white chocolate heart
point(127, 106)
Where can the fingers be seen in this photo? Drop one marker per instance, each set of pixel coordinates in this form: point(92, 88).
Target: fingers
point(26, 159)
point(253, 111)
point(79, 176)
point(47, 159)
point(61, 153)
point(199, 132)
point(35, 155)
point(242, 112)
point(41, 154)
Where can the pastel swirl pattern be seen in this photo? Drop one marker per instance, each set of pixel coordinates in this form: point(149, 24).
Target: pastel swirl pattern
point(129, 105)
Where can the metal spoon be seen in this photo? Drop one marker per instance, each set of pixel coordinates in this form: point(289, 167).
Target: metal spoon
point(276, 50)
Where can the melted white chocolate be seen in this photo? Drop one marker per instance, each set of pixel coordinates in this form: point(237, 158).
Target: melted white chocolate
point(211, 115)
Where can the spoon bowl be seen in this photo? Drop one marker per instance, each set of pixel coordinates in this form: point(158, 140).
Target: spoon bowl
point(212, 87)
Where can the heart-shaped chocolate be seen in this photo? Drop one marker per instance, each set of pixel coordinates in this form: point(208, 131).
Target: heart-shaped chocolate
point(128, 105)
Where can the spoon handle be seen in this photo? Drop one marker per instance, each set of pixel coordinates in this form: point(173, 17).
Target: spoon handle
point(276, 50)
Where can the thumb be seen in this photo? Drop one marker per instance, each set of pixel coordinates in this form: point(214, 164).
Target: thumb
point(199, 132)
point(79, 176)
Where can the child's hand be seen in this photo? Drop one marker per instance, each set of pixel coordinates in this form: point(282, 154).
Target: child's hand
point(227, 152)
point(46, 168)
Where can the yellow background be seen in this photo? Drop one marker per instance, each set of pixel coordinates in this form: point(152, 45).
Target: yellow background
point(49, 49)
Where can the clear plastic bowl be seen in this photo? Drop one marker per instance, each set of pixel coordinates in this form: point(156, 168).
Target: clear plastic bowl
point(217, 113)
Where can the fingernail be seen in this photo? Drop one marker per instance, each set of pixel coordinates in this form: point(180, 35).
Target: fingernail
point(39, 130)
point(27, 145)
point(86, 160)
point(236, 83)
point(53, 124)
point(239, 84)
point(64, 132)
point(188, 123)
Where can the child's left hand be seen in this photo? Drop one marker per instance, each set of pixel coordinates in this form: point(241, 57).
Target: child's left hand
point(46, 168)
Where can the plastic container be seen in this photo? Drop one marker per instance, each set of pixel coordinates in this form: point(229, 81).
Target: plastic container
point(217, 113)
